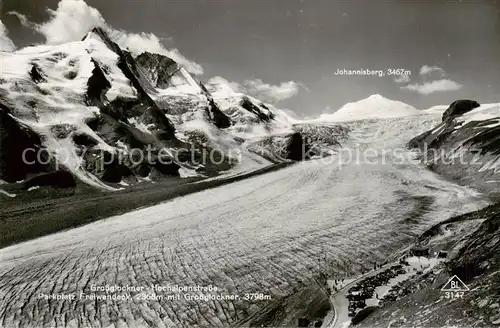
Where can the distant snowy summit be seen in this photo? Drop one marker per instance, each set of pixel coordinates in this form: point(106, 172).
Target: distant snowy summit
point(373, 107)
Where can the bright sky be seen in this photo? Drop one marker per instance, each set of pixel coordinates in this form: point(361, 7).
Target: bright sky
point(288, 51)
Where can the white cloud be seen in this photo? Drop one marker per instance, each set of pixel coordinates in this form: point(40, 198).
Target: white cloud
point(426, 88)
point(6, 43)
point(259, 89)
point(269, 92)
point(219, 81)
point(73, 19)
point(402, 79)
point(70, 22)
point(139, 43)
point(426, 70)
point(433, 79)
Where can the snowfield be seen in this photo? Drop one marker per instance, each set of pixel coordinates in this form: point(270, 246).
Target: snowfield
point(261, 235)
point(373, 107)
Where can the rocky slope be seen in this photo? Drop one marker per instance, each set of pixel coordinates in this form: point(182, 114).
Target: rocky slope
point(465, 145)
point(91, 109)
point(473, 244)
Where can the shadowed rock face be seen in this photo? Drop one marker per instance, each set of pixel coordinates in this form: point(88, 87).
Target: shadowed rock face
point(97, 86)
point(459, 107)
point(36, 74)
point(84, 140)
point(297, 148)
point(170, 169)
point(463, 148)
point(14, 140)
point(480, 253)
point(219, 119)
point(160, 68)
point(58, 179)
point(253, 108)
point(128, 66)
point(115, 172)
point(308, 141)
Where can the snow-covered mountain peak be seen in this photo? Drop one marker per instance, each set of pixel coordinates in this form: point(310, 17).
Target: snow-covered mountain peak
point(373, 107)
point(377, 96)
point(90, 104)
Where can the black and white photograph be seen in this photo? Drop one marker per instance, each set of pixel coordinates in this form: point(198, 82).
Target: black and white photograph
point(249, 163)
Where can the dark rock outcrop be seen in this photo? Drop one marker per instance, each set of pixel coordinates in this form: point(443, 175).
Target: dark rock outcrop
point(434, 138)
point(442, 134)
point(167, 168)
point(84, 140)
point(253, 108)
point(19, 149)
point(57, 179)
point(217, 116)
point(139, 81)
point(109, 167)
point(309, 305)
point(159, 68)
point(306, 142)
point(97, 86)
point(459, 107)
point(123, 109)
point(115, 172)
point(36, 74)
point(320, 140)
point(480, 253)
point(296, 148)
